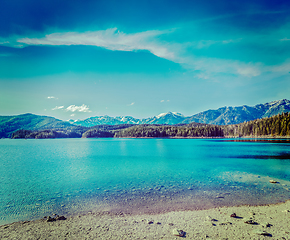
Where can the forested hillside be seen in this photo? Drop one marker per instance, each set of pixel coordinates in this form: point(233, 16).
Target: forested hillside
point(70, 132)
point(269, 127)
point(10, 124)
point(75, 132)
point(276, 126)
point(171, 131)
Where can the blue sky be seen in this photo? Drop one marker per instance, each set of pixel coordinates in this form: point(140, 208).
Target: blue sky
point(76, 59)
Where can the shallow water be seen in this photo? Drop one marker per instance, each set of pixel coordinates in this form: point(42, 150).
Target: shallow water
point(69, 176)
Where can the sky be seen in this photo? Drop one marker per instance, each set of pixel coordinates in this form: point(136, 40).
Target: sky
point(78, 59)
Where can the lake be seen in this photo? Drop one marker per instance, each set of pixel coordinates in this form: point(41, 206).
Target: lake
point(74, 176)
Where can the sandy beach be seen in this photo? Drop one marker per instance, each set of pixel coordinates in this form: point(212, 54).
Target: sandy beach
point(250, 222)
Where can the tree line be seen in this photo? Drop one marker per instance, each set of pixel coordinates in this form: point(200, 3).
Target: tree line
point(275, 126)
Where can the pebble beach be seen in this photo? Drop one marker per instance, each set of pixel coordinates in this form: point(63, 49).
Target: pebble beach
point(242, 222)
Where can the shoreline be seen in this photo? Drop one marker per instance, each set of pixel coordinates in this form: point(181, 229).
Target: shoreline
point(200, 200)
point(216, 223)
point(268, 137)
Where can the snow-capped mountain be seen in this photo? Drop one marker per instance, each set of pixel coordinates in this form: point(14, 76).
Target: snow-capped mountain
point(221, 116)
point(235, 115)
point(93, 121)
point(163, 118)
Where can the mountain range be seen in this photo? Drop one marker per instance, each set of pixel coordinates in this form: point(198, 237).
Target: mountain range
point(221, 116)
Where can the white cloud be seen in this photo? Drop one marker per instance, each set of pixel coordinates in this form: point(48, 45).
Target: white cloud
point(115, 40)
point(51, 97)
point(74, 108)
point(162, 101)
point(211, 66)
point(56, 108)
point(111, 39)
point(131, 104)
point(4, 41)
point(285, 39)
point(249, 71)
point(207, 43)
point(284, 67)
point(72, 115)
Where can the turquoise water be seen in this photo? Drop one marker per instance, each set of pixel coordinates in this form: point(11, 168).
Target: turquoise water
point(69, 176)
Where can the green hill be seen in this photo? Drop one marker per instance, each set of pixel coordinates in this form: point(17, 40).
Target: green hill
point(28, 121)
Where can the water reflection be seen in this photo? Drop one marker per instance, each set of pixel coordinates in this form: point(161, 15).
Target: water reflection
point(270, 140)
point(280, 156)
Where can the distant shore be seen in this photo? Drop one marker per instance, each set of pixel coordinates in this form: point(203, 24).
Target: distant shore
point(250, 222)
point(225, 137)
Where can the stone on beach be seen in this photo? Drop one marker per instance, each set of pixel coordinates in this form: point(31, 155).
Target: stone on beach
point(210, 223)
point(273, 181)
point(261, 232)
point(265, 224)
point(52, 219)
point(60, 218)
point(178, 233)
point(112, 226)
point(250, 221)
point(209, 218)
